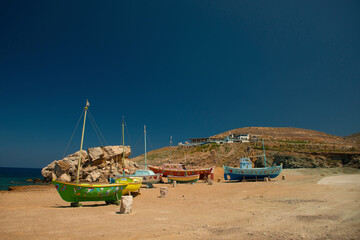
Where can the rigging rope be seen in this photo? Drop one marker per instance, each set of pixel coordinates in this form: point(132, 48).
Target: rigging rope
point(92, 123)
point(91, 117)
point(73, 133)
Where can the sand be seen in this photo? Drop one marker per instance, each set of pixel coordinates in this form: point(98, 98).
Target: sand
point(341, 180)
point(295, 208)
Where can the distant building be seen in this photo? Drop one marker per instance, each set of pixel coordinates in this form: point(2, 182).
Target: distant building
point(199, 140)
point(238, 138)
point(232, 138)
point(217, 140)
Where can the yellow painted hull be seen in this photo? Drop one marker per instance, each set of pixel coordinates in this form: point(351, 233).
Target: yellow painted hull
point(184, 179)
point(134, 184)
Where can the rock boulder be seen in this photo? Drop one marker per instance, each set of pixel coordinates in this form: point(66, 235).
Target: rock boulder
point(95, 153)
point(97, 164)
point(93, 176)
point(64, 178)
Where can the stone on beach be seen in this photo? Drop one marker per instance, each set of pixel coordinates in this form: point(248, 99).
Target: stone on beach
point(126, 204)
point(163, 192)
point(209, 181)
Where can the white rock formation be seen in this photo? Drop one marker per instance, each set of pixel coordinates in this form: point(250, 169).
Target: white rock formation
point(93, 176)
point(64, 178)
point(113, 151)
point(96, 165)
point(95, 153)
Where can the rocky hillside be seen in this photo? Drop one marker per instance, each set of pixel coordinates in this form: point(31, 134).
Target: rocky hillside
point(97, 165)
point(285, 134)
point(354, 137)
point(293, 147)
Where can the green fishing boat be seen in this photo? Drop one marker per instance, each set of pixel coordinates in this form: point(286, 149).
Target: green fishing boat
point(82, 192)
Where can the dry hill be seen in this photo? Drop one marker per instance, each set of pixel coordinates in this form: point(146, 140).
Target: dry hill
point(293, 147)
point(285, 134)
point(354, 137)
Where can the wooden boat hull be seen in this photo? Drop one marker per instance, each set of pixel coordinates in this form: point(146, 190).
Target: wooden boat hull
point(232, 173)
point(83, 192)
point(148, 177)
point(183, 179)
point(204, 173)
point(133, 184)
point(152, 179)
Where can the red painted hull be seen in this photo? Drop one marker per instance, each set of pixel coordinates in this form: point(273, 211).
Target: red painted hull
point(204, 172)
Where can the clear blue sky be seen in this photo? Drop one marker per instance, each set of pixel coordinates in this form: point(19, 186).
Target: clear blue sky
point(184, 68)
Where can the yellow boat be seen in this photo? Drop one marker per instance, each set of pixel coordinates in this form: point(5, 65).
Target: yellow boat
point(134, 184)
point(183, 179)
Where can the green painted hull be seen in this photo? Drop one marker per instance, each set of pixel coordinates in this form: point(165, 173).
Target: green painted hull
point(83, 192)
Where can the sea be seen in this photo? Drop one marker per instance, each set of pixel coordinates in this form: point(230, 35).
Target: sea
point(18, 177)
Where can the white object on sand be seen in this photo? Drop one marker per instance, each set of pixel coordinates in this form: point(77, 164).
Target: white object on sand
point(126, 204)
point(341, 180)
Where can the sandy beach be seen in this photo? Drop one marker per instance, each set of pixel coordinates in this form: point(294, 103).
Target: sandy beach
point(295, 208)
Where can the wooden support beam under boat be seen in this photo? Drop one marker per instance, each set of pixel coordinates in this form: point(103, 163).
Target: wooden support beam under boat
point(75, 204)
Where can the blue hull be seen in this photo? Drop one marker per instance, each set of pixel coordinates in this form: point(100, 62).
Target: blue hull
point(232, 173)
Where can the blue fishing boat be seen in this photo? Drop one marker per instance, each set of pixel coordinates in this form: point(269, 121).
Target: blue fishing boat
point(233, 173)
point(246, 170)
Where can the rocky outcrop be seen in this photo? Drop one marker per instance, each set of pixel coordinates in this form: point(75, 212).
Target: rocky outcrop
point(327, 160)
point(97, 164)
point(292, 161)
point(354, 162)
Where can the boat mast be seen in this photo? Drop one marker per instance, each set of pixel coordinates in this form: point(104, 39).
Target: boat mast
point(82, 141)
point(123, 156)
point(170, 149)
point(145, 145)
point(264, 152)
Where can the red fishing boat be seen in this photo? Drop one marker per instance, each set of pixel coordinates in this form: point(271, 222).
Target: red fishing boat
point(181, 170)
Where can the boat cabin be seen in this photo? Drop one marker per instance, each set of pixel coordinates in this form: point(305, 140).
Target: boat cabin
point(245, 163)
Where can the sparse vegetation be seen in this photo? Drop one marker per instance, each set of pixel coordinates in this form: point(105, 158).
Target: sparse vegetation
point(319, 150)
point(291, 141)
